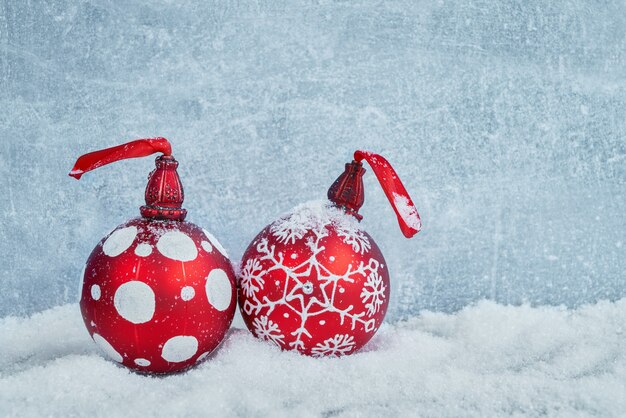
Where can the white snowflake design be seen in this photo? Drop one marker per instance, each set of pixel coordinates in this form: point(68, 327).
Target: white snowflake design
point(295, 295)
point(291, 228)
point(337, 346)
point(268, 330)
point(294, 226)
point(354, 237)
point(251, 277)
point(373, 293)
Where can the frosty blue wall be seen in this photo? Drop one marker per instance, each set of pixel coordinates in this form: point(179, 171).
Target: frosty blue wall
point(506, 120)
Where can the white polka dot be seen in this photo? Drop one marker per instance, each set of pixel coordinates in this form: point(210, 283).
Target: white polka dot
point(95, 292)
point(143, 250)
point(179, 348)
point(294, 256)
point(207, 246)
point(215, 243)
point(135, 302)
point(202, 356)
point(187, 293)
point(177, 246)
point(142, 362)
point(322, 322)
point(119, 241)
point(342, 290)
point(286, 315)
point(331, 258)
point(107, 348)
point(218, 289)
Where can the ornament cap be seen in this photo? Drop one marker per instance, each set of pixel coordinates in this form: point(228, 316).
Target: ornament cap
point(164, 192)
point(347, 191)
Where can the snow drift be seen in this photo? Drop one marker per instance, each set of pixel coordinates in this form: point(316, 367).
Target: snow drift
point(485, 360)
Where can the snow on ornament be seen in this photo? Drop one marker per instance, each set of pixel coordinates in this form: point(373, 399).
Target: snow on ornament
point(155, 296)
point(314, 281)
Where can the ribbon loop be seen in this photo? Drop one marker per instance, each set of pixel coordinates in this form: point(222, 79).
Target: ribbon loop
point(406, 212)
point(133, 149)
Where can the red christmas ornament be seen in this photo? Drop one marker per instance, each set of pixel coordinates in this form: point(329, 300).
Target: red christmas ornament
point(158, 293)
point(313, 280)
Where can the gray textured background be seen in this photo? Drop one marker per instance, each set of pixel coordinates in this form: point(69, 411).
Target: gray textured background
point(506, 120)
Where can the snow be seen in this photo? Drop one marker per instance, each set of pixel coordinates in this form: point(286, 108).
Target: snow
point(486, 360)
point(177, 246)
point(316, 214)
point(135, 301)
point(219, 290)
point(407, 211)
point(119, 241)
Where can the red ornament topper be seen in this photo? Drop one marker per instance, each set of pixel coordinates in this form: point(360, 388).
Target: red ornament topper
point(158, 293)
point(313, 280)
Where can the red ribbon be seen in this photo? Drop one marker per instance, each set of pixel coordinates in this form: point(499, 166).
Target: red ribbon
point(133, 149)
point(408, 218)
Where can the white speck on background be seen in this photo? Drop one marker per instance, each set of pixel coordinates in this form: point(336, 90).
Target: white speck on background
point(471, 112)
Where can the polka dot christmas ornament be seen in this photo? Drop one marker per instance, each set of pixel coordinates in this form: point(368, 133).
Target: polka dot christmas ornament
point(158, 294)
point(314, 281)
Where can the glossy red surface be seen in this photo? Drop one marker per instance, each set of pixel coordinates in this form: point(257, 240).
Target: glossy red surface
point(166, 277)
point(309, 294)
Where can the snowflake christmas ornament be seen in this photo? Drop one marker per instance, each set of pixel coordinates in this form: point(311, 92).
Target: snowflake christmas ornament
point(158, 294)
point(313, 280)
